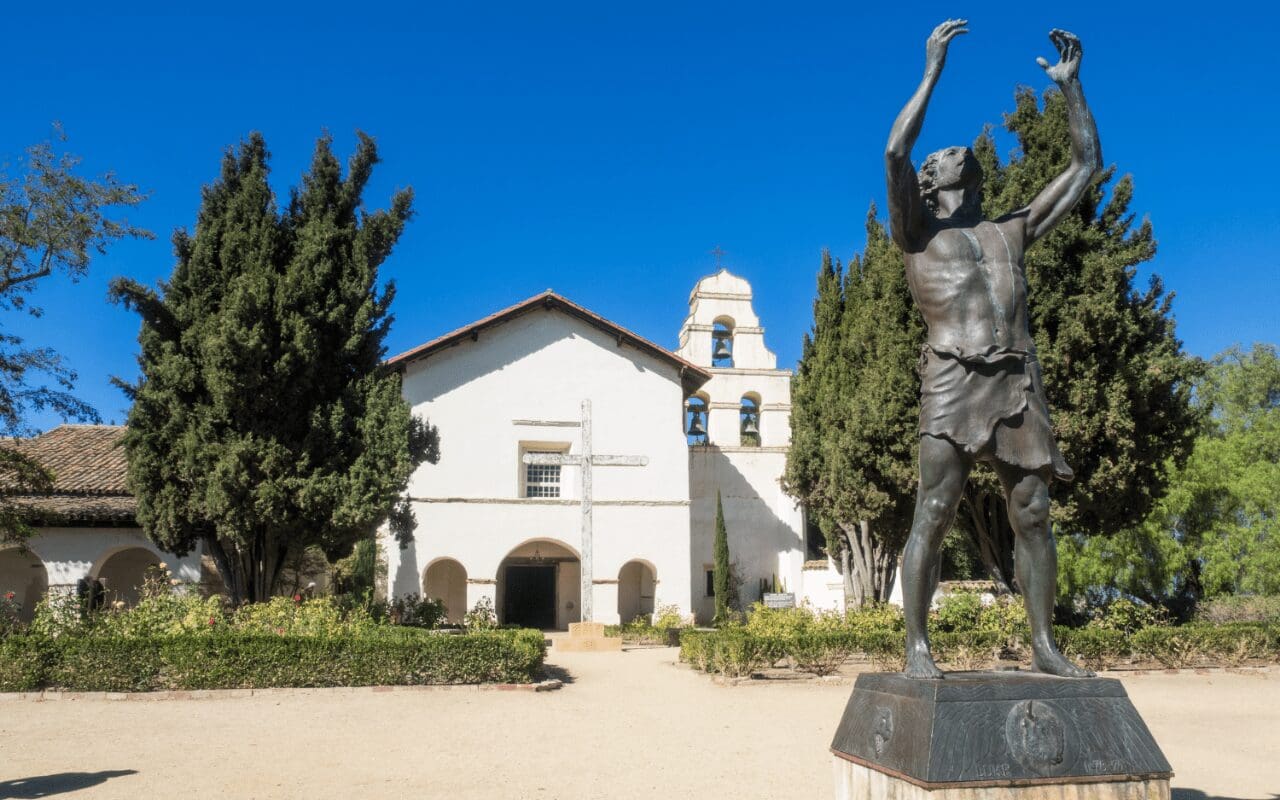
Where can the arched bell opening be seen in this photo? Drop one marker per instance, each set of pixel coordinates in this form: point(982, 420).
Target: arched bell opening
point(749, 420)
point(695, 419)
point(722, 342)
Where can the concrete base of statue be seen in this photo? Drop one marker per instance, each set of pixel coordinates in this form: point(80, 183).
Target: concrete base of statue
point(587, 637)
point(995, 736)
point(856, 782)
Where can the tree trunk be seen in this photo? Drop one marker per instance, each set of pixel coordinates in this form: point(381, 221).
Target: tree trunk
point(989, 527)
point(869, 565)
point(229, 569)
point(846, 573)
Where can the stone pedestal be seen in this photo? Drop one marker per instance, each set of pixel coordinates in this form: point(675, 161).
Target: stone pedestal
point(997, 736)
point(586, 637)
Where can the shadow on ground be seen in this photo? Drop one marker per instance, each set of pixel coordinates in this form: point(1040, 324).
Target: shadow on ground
point(58, 783)
point(557, 673)
point(1196, 794)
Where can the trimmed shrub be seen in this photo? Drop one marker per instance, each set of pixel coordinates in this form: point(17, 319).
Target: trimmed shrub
point(253, 660)
point(967, 650)
point(1172, 647)
point(23, 663)
point(778, 622)
point(1098, 648)
point(886, 649)
point(695, 649)
point(820, 653)
point(738, 654)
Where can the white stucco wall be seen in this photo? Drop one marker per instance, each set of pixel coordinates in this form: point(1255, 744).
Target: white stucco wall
point(764, 526)
point(524, 382)
point(69, 554)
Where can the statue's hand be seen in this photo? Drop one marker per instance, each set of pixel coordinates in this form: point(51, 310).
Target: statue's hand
point(1069, 52)
point(936, 48)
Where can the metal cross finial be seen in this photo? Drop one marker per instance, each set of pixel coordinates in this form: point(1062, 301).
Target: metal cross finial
point(718, 253)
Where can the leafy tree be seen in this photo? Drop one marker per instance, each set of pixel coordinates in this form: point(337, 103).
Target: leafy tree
point(1118, 383)
point(1215, 532)
point(263, 421)
point(52, 220)
point(721, 583)
point(855, 414)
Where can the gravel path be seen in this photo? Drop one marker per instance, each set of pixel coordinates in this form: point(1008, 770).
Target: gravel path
point(631, 724)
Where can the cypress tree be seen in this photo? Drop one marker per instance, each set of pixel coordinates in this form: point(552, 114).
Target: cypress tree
point(263, 421)
point(1118, 383)
point(720, 581)
point(855, 405)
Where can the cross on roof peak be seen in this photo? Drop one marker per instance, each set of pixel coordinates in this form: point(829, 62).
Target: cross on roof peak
point(718, 253)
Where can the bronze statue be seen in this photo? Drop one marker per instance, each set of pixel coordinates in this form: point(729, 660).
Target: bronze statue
point(981, 395)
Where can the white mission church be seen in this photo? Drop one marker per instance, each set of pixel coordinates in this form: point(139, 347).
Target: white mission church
point(580, 465)
point(578, 476)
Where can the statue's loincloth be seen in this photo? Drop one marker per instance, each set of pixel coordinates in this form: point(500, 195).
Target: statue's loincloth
point(991, 405)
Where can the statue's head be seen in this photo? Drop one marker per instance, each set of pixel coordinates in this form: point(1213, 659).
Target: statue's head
point(950, 168)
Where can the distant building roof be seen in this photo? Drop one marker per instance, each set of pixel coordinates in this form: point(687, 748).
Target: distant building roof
point(89, 467)
point(691, 375)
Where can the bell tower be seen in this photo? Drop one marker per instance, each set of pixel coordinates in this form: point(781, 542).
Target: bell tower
point(747, 403)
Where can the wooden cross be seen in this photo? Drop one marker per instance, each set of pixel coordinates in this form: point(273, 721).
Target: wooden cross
point(587, 459)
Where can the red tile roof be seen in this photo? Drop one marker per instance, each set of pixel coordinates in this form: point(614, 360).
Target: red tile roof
point(691, 375)
point(89, 466)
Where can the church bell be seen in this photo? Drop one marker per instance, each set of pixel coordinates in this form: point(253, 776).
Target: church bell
point(750, 424)
point(721, 350)
point(695, 423)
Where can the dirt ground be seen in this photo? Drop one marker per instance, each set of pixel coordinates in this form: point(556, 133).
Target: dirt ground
point(630, 724)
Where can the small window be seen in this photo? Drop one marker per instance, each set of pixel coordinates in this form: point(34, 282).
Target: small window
point(711, 583)
point(542, 480)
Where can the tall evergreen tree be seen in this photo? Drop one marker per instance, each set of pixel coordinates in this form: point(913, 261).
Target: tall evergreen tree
point(720, 581)
point(855, 408)
point(263, 421)
point(1117, 381)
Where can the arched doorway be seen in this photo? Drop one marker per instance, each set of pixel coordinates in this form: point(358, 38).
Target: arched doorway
point(636, 582)
point(446, 580)
point(122, 574)
point(23, 573)
point(539, 586)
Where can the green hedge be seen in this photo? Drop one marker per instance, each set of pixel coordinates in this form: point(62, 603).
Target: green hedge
point(737, 652)
point(254, 661)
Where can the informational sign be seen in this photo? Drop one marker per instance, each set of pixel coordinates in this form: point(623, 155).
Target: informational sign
point(779, 600)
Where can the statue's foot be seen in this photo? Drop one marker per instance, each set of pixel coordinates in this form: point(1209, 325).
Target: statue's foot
point(1052, 662)
point(920, 664)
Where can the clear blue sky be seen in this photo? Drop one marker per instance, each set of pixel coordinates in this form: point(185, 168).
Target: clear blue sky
point(603, 149)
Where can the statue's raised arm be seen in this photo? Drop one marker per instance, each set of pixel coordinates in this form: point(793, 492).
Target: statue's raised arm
point(906, 208)
point(1056, 199)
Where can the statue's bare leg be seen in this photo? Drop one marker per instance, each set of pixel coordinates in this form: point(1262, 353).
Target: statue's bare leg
point(943, 470)
point(1035, 563)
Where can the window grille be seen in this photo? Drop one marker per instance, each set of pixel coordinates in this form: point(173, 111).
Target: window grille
point(542, 480)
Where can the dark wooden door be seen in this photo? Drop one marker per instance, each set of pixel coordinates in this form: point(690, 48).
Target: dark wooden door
point(530, 597)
